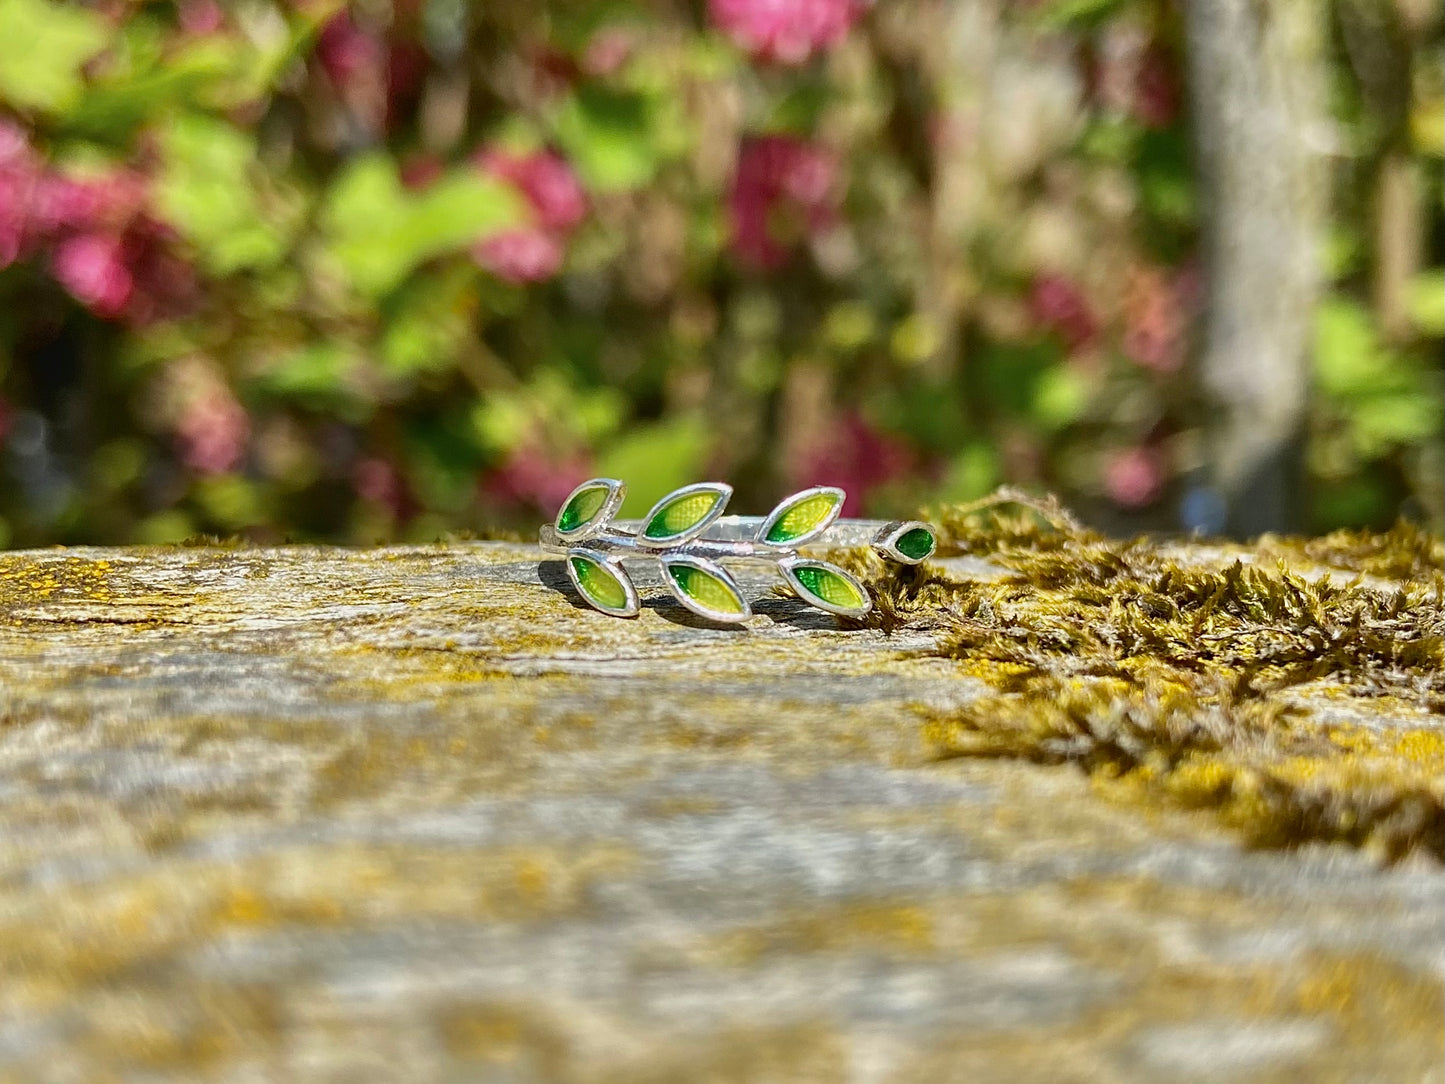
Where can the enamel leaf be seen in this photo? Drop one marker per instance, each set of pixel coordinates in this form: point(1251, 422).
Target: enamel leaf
point(705, 588)
point(909, 542)
point(602, 583)
point(684, 514)
point(802, 516)
point(590, 507)
point(826, 587)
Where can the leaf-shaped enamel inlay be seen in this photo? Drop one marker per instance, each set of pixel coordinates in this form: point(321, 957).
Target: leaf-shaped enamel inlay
point(602, 583)
point(590, 505)
point(916, 543)
point(684, 513)
point(704, 588)
point(909, 542)
point(827, 587)
point(802, 516)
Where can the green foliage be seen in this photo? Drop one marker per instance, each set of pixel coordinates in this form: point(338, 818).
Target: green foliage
point(209, 192)
point(379, 233)
point(370, 270)
point(45, 46)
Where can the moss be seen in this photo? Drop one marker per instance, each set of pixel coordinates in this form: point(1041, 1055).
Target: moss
point(1175, 682)
point(1405, 551)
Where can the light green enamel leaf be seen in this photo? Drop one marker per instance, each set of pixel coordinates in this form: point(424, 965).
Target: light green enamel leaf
point(583, 507)
point(685, 512)
point(599, 584)
point(831, 588)
point(805, 517)
point(709, 589)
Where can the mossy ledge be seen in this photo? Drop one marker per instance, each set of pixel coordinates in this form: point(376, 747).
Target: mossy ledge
point(1167, 679)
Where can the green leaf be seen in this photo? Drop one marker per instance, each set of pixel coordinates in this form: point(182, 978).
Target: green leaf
point(1382, 422)
point(1427, 302)
point(427, 323)
point(705, 588)
point(42, 49)
point(208, 191)
point(1061, 395)
point(320, 375)
point(684, 513)
point(112, 110)
point(380, 232)
point(802, 516)
point(1347, 350)
point(602, 583)
point(826, 586)
point(590, 505)
point(609, 136)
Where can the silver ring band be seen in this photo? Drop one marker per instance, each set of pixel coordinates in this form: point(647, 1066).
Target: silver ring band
point(688, 535)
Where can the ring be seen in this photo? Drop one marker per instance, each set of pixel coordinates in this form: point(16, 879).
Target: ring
point(688, 535)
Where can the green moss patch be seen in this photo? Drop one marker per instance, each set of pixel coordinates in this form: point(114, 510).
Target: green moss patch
point(1199, 685)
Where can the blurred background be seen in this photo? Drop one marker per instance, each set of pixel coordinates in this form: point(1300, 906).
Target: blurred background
point(386, 270)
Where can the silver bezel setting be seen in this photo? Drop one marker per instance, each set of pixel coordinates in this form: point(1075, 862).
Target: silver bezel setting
point(886, 542)
point(798, 498)
point(789, 566)
point(616, 492)
point(631, 608)
point(711, 568)
point(724, 493)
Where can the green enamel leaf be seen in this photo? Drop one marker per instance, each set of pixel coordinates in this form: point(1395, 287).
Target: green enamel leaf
point(832, 588)
point(581, 508)
point(804, 517)
point(916, 543)
point(709, 590)
point(598, 583)
point(685, 512)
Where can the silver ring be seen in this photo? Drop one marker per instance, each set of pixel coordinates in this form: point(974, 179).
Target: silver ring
point(689, 536)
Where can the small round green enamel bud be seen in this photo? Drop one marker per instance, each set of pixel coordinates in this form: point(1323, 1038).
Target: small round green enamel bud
point(908, 543)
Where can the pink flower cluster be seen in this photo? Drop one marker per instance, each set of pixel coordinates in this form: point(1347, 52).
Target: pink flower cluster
point(1058, 305)
point(1134, 477)
point(97, 233)
point(784, 190)
point(1158, 308)
point(785, 31)
point(533, 253)
point(535, 478)
point(856, 457)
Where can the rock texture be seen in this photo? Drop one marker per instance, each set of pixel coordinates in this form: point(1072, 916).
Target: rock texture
point(416, 814)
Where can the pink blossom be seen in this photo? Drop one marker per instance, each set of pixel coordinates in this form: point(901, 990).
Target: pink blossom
point(419, 171)
point(201, 17)
point(213, 432)
point(346, 51)
point(377, 480)
point(535, 478)
point(783, 188)
point(20, 174)
point(786, 31)
point(1156, 88)
point(92, 267)
point(1058, 305)
point(520, 255)
point(606, 51)
point(1157, 310)
point(546, 180)
point(1134, 477)
point(855, 456)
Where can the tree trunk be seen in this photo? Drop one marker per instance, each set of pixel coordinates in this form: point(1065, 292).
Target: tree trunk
point(1258, 96)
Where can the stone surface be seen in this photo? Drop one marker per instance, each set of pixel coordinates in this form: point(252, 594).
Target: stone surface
point(419, 813)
